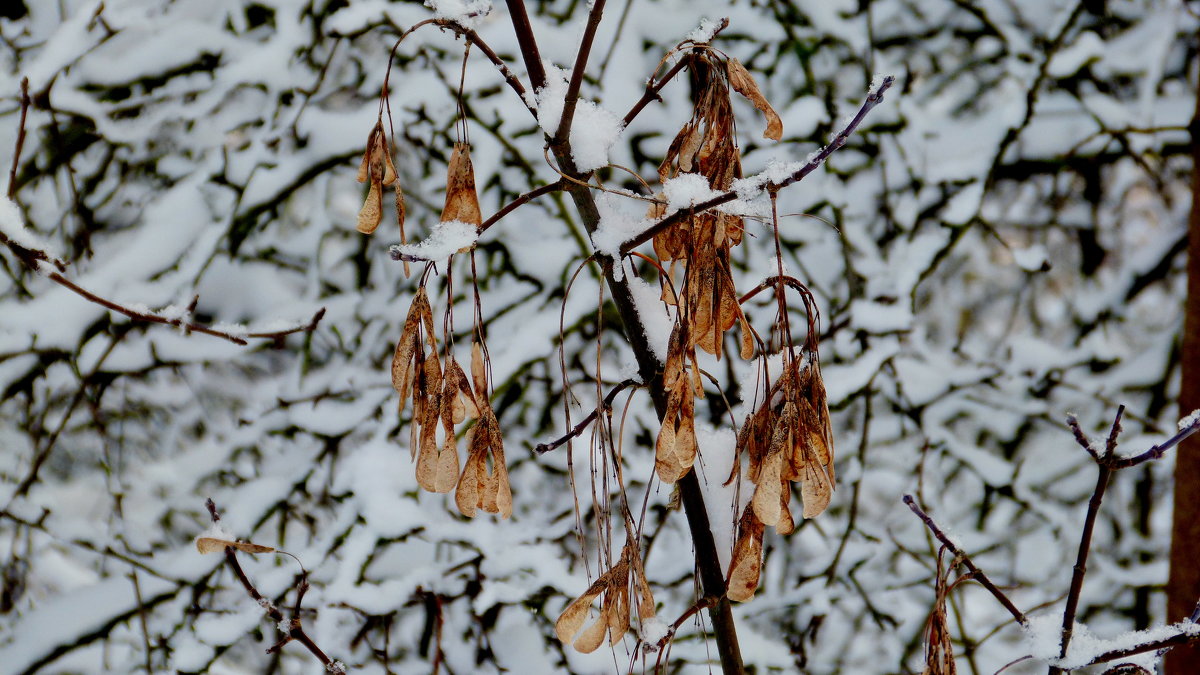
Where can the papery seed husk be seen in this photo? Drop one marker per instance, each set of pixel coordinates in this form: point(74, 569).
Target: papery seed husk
point(786, 524)
point(746, 564)
point(766, 498)
point(503, 489)
point(479, 373)
point(466, 494)
point(815, 491)
point(447, 467)
point(462, 201)
point(592, 637)
point(427, 458)
point(747, 351)
point(215, 545)
point(371, 213)
point(744, 84)
point(572, 618)
point(389, 169)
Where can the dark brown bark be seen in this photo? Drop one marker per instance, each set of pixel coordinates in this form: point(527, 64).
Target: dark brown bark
point(1183, 587)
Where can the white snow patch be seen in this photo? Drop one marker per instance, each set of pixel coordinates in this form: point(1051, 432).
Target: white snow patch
point(448, 237)
point(616, 227)
point(1032, 259)
point(653, 630)
point(593, 129)
point(462, 12)
point(687, 189)
point(12, 225)
point(703, 34)
point(657, 320)
point(1190, 420)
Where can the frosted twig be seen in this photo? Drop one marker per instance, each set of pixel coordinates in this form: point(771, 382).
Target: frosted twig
point(976, 573)
point(294, 626)
point(873, 99)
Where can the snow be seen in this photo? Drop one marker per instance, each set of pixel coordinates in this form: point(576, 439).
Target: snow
point(594, 130)
point(703, 33)
point(1189, 420)
point(653, 629)
point(617, 226)
point(447, 238)
point(657, 319)
point(12, 225)
point(466, 13)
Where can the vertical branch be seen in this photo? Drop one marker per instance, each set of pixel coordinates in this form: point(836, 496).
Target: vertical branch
point(585, 49)
point(712, 577)
point(1085, 545)
point(528, 44)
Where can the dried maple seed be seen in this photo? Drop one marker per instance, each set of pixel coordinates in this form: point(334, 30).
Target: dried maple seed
point(744, 84)
point(462, 200)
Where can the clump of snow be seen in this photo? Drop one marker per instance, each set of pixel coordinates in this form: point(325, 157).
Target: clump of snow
point(284, 626)
point(656, 319)
point(462, 12)
point(653, 630)
point(593, 129)
point(616, 227)
point(687, 189)
point(775, 172)
point(1190, 420)
point(448, 237)
point(336, 667)
point(703, 34)
point(1044, 634)
point(1032, 259)
point(12, 225)
point(215, 531)
point(876, 82)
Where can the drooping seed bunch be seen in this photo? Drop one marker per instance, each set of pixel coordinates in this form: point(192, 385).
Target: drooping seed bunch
point(616, 585)
point(443, 396)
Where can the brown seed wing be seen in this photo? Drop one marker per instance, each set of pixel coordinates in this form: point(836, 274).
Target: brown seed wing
point(371, 213)
point(744, 84)
point(462, 201)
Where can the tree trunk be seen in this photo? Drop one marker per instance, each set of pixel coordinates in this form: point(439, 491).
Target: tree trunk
point(1183, 587)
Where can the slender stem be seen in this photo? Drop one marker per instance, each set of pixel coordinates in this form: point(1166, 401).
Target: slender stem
point(652, 89)
point(976, 573)
point(543, 448)
point(585, 49)
point(873, 99)
point(1158, 450)
point(1085, 545)
point(12, 174)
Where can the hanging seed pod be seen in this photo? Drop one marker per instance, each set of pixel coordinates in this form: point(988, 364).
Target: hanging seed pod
point(377, 169)
point(614, 616)
point(746, 564)
point(479, 488)
point(462, 200)
point(744, 84)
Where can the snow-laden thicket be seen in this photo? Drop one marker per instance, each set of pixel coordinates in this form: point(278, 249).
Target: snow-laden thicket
point(999, 245)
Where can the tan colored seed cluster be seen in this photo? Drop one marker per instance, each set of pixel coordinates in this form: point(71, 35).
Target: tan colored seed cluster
point(615, 586)
point(788, 439)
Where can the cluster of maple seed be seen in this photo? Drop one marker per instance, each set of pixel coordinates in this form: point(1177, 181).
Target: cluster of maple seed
point(443, 396)
point(786, 439)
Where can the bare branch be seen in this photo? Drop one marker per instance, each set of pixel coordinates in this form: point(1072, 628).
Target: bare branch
point(543, 448)
point(295, 625)
point(976, 573)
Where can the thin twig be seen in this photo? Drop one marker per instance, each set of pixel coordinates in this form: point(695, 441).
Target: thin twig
point(1159, 450)
point(295, 625)
point(976, 573)
point(508, 208)
point(873, 99)
point(474, 38)
point(12, 174)
point(543, 448)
